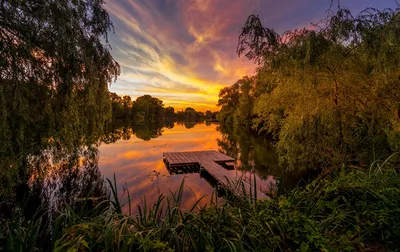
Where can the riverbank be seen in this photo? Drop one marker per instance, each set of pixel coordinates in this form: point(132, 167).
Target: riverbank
point(347, 210)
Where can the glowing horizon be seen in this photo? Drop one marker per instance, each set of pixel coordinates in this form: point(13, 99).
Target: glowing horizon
point(183, 52)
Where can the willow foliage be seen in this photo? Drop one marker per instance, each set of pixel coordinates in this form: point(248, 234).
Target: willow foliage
point(55, 68)
point(328, 94)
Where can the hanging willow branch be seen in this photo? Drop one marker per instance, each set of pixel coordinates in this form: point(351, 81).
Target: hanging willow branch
point(255, 40)
point(262, 44)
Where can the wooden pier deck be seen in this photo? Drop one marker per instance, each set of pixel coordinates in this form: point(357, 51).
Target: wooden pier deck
point(211, 161)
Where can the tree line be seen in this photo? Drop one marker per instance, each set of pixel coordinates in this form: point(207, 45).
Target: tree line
point(328, 95)
point(148, 109)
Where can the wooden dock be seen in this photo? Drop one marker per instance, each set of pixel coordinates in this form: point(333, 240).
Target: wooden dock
point(212, 162)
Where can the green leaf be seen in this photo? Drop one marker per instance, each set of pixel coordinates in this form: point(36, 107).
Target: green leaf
point(304, 246)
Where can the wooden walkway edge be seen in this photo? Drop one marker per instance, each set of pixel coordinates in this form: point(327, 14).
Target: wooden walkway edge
point(208, 160)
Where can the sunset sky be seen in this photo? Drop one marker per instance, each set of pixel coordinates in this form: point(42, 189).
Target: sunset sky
point(184, 51)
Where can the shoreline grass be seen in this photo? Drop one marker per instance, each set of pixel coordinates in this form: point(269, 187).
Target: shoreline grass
point(345, 211)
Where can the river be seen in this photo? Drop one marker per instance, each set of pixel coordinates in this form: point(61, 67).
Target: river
point(59, 172)
point(136, 160)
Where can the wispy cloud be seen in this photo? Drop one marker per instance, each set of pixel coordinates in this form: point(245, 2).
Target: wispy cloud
point(183, 51)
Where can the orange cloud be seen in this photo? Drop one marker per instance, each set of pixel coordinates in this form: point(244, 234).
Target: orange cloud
point(184, 51)
point(184, 60)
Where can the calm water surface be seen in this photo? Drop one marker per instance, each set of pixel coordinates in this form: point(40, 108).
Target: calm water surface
point(66, 172)
point(139, 168)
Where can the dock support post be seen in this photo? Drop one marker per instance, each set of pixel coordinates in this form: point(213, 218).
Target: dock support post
point(202, 169)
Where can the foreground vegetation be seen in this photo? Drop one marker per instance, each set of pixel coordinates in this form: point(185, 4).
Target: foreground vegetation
point(346, 211)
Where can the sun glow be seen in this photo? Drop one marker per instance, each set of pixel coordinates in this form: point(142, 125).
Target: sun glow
point(183, 61)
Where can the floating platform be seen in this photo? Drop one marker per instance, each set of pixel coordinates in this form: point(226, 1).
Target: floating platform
point(217, 165)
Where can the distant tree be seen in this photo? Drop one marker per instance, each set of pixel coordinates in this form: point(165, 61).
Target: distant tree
point(127, 104)
point(180, 115)
point(208, 115)
point(115, 98)
point(169, 113)
point(190, 114)
point(116, 106)
point(199, 116)
point(148, 108)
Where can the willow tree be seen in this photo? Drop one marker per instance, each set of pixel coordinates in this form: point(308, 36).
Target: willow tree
point(55, 68)
point(331, 92)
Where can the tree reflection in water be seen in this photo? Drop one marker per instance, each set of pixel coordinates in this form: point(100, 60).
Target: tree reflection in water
point(255, 154)
point(59, 172)
point(53, 178)
point(56, 181)
point(124, 130)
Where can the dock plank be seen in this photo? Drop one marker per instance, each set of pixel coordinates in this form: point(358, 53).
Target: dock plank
point(208, 160)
